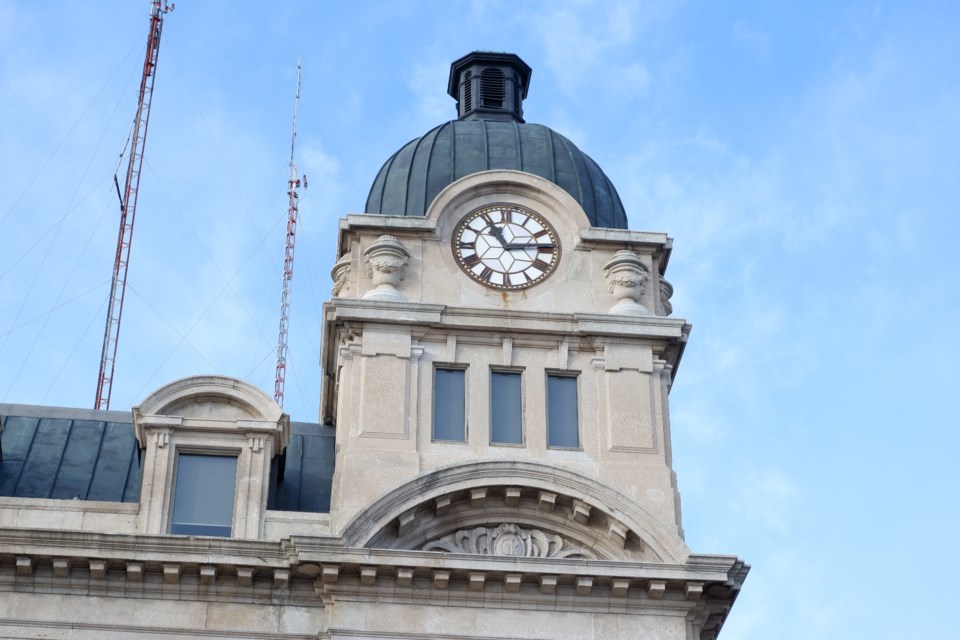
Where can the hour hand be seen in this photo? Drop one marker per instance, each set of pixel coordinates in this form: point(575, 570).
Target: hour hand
point(497, 233)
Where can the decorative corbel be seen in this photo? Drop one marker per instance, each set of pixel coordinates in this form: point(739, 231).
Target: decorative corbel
point(161, 438)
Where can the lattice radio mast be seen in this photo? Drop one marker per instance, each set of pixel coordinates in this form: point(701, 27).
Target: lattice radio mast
point(293, 186)
point(128, 206)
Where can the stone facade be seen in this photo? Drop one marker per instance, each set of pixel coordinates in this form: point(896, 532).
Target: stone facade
point(425, 537)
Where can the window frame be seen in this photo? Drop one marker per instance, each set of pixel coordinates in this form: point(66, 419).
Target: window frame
point(519, 372)
point(179, 451)
point(561, 373)
point(447, 366)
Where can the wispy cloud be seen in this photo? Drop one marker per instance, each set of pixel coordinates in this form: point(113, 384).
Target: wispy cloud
point(751, 37)
point(581, 41)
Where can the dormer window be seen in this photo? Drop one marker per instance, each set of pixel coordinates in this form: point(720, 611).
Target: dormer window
point(196, 434)
point(204, 494)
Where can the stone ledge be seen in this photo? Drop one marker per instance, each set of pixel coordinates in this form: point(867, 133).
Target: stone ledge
point(475, 318)
point(41, 630)
point(69, 506)
point(99, 557)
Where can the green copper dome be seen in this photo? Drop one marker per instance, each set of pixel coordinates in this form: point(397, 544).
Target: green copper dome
point(489, 135)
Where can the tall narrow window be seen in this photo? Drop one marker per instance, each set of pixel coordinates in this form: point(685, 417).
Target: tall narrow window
point(449, 404)
point(563, 426)
point(203, 495)
point(506, 408)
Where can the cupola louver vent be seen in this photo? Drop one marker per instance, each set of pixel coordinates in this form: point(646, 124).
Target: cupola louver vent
point(517, 99)
point(492, 91)
point(467, 91)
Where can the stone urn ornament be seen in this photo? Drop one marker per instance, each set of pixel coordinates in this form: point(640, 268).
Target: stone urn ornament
point(341, 276)
point(386, 265)
point(626, 277)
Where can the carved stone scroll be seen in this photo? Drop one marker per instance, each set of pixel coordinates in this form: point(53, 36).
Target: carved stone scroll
point(507, 540)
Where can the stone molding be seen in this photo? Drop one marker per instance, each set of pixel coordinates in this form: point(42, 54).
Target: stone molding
point(506, 185)
point(587, 532)
point(475, 318)
point(234, 570)
point(383, 513)
point(210, 389)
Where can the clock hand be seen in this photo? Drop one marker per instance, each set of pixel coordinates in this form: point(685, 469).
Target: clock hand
point(497, 233)
point(530, 245)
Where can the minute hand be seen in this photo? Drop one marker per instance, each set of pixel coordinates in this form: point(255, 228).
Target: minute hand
point(529, 245)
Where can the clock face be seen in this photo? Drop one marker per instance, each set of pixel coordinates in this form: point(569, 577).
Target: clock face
point(506, 247)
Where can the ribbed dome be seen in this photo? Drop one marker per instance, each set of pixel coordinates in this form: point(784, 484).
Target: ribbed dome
point(414, 175)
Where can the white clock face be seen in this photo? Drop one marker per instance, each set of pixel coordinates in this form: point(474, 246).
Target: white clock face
point(506, 247)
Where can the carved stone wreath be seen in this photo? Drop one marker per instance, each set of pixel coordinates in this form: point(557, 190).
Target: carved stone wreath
point(506, 540)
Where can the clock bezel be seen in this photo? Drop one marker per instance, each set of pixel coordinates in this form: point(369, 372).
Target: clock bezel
point(463, 224)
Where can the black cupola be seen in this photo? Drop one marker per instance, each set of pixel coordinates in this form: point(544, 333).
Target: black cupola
point(489, 86)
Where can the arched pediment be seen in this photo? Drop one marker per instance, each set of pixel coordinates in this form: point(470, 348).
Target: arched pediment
point(514, 509)
point(487, 187)
point(211, 397)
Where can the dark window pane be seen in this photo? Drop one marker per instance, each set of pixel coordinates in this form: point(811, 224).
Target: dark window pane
point(506, 409)
point(563, 429)
point(203, 495)
point(448, 405)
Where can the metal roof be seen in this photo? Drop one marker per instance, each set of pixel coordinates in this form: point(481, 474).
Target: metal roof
point(308, 476)
point(82, 454)
point(79, 454)
point(413, 176)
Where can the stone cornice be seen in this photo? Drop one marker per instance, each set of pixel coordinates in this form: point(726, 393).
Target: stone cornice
point(717, 571)
point(481, 319)
point(232, 570)
point(31, 545)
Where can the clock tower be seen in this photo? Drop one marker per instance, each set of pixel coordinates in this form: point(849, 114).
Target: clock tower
point(498, 356)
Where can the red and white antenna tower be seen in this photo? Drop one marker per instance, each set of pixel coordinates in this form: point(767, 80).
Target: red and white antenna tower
point(293, 186)
point(128, 205)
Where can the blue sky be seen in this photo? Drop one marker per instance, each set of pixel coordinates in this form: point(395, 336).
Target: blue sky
point(803, 156)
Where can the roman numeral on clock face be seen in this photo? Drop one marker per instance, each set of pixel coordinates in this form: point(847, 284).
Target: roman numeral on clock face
point(471, 260)
point(540, 264)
